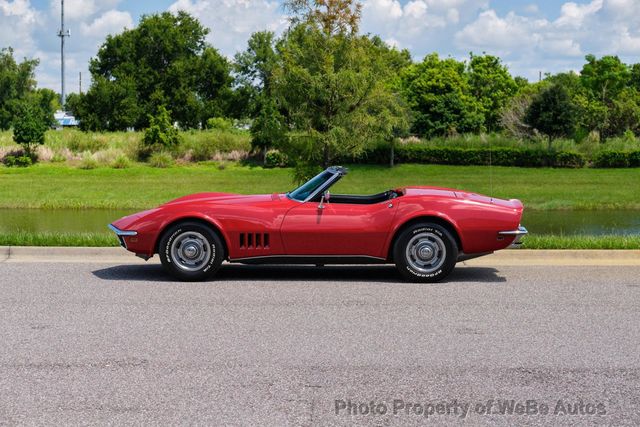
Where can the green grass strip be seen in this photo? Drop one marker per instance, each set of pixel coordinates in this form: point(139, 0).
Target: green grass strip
point(23, 238)
point(581, 242)
point(47, 186)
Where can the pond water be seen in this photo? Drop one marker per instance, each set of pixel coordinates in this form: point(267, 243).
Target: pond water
point(539, 222)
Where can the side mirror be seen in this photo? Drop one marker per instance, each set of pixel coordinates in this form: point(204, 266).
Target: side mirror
point(324, 199)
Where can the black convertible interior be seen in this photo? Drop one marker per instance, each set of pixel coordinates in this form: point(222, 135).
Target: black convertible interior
point(312, 190)
point(360, 200)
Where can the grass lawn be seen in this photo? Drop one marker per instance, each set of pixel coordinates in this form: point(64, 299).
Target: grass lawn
point(59, 186)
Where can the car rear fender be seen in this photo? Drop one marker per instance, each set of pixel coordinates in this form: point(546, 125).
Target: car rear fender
point(434, 217)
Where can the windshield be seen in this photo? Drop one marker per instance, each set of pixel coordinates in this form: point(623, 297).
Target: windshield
point(305, 190)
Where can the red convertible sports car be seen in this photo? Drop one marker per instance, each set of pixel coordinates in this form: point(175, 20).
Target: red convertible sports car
point(424, 231)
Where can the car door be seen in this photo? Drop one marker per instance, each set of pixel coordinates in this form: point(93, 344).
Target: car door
point(337, 228)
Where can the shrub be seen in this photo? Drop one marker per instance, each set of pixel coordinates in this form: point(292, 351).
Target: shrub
point(611, 159)
point(634, 159)
point(88, 162)
point(203, 151)
point(121, 162)
point(30, 127)
point(161, 160)
point(220, 123)
point(275, 159)
point(17, 161)
point(499, 156)
point(161, 134)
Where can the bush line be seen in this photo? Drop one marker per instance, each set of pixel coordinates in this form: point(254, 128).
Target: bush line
point(498, 156)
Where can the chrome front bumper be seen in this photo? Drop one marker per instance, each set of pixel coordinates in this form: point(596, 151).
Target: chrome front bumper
point(121, 234)
point(519, 233)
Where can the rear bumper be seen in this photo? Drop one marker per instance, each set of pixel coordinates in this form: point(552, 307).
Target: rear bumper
point(122, 234)
point(519, 234)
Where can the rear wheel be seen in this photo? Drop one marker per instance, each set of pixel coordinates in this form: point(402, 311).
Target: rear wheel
point(191, 251)
point(425, 252)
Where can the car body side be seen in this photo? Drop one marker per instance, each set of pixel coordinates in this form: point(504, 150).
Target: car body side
point(254, 226)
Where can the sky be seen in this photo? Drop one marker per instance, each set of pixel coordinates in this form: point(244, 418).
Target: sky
point(531, 36)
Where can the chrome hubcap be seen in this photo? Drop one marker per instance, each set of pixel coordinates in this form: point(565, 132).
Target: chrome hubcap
point(190, 251)
point(426, 252)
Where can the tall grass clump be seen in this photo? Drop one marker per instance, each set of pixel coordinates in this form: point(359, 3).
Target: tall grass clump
point(161, 160)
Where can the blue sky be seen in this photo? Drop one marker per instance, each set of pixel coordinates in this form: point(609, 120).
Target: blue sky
point(530, 35)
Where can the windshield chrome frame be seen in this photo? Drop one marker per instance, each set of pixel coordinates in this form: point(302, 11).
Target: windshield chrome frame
point(337, 173)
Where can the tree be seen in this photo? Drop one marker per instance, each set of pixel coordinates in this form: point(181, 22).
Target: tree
point(331, 86)
point(605, 77)
point(255, 74)
point(439, 94)
point(492, 85)
point(164, 61)
point(332, 17)
point(552, 113)
point(334, 94)
point(16, 82)
point(30, 126)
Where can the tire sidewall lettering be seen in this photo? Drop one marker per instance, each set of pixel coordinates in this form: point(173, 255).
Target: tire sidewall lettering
point(426, 229)
point(210, 241)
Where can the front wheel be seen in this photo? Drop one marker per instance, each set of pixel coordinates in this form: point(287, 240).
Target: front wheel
point(191, 251)
point(425, 252)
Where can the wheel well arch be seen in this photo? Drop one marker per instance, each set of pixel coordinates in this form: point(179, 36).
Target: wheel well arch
point(426, 218)
point(202, 221)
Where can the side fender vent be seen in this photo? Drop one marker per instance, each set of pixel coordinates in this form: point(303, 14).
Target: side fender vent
point(254, 240)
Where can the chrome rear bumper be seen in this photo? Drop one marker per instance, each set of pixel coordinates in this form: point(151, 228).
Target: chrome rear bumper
point(519, 234)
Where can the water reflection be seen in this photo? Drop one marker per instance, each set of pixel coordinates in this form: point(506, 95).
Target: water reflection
point(538, 222)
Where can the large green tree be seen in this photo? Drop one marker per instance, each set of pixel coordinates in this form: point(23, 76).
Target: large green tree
point(605, 77)
point(255, 69)
point(164, 61)
point(492, 85)
point(332, 85)
point(16, 83)
point(439, 94)
point(552, 113)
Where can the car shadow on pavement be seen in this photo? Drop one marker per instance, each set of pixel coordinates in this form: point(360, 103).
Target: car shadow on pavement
point(238, 272)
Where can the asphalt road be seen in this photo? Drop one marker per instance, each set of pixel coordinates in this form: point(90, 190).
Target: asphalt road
point(100, 343)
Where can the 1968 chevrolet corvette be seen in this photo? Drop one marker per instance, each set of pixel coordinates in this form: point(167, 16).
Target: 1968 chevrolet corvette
point(424, 231)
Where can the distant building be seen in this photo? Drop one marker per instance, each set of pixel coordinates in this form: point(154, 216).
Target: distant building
point(63, 119)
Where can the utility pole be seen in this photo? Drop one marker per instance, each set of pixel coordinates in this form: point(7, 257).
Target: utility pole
point(80, 83)
point(62, 34)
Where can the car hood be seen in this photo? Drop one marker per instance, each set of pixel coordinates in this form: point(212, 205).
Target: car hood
point(223, 198)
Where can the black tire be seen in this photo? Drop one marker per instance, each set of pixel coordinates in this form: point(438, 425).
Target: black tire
point(179, 241)
point(415, 245)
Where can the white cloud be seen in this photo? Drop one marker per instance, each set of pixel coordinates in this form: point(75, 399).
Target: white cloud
point(111, 22)
point(416, 21)
point(574, 15)
point(80, 10)
point(232, 21)
point(89, 21)
point(17, 20)
point(528, 43)
point(499, 34)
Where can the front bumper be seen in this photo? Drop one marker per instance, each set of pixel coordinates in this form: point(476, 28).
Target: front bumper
point(122, 234)
point(519, 234)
